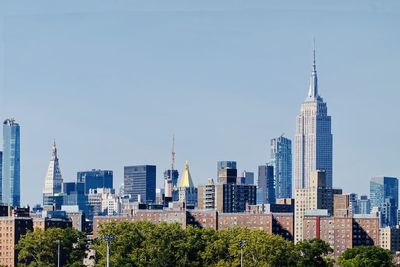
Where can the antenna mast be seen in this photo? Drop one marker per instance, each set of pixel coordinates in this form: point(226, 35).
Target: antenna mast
point(173, 153)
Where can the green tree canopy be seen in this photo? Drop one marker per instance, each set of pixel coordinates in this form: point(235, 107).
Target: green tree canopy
point(313, 253)
point(147, 244)
point(39, 248)
point(365, 256)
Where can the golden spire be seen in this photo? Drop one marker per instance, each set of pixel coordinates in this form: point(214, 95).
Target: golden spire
point(186, 180)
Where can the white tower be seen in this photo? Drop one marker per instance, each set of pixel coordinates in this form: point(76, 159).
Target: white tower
point(53, 180)
point(313, 138)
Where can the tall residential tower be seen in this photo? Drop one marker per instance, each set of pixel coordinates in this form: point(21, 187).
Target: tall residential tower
point(313, 138)
point(10, 184)
point(281, 160)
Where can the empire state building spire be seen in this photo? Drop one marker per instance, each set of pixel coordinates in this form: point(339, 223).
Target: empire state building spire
point(313, 91)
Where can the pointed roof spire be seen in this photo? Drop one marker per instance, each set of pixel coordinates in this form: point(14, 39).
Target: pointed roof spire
point(54, 151)
point(313, 90)
point(53, 180)
point(186, 180)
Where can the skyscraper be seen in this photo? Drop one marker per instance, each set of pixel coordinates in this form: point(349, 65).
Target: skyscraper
point(364, 205)
point(53, 180)
point(10, 183)
point(227, 172)
point(95, 179)
point(315, 196)
point(171, 176)
point(313, 138)
point(140, 183)
point(281, 160)
point(384, 195)
point(266, 185)
point(186, 189)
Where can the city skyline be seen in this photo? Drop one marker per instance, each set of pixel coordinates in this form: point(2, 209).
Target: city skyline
point(250, 71)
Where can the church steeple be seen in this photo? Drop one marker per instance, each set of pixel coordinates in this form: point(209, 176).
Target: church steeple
point(313, 90)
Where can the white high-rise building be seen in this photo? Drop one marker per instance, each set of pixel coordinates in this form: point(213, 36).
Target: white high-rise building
point(313, 138)
point(53, 180)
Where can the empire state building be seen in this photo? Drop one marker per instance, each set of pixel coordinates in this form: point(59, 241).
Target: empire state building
point(313, 138)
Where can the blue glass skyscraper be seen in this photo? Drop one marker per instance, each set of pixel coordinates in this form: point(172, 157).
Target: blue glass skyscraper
point(10, 182)
point(95, 179)
point(281, 159)
point(266, 187)
point(384, 194)
point(140, 183)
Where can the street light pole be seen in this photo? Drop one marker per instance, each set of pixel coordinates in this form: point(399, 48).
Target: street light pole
point(108, 238)
point(242, 243)
point(58, 252)
point(108, 253)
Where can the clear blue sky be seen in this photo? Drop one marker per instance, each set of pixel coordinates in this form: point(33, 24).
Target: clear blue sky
point(111, 81)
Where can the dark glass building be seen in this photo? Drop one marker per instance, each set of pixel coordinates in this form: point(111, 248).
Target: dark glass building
point(74, 194)
point(95, 179)
point(266, 188)
point(140, 183)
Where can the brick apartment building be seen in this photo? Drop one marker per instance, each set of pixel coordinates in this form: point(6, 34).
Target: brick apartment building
point(342, 233)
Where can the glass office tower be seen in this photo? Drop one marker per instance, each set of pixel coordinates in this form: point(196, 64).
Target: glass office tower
point(384, 194)
point(266, 187)
point(140, 183)
point(95, 179)
point(10, 183)
point(281, 159)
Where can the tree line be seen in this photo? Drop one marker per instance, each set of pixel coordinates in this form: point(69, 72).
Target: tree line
point(148, 244)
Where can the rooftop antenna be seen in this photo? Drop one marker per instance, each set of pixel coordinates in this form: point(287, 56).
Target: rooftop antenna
point(173, 153)
point(314, 54)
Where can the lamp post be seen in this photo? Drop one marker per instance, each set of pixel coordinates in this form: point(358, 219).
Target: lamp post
point(242, 243)
point(58, 252)
point(108, 238)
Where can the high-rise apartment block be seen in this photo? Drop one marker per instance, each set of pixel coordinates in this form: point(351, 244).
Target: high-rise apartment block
point(234, 197)
point(384, 195)
point(14, 223)
point(10, 183)
point(318, 195)
point(313, 138)
point(206, 195)
point(95, 179)
point(342, 233)
point(266, 185)
point(281, 160)
point(140, 183)
point(227, 195)
point(389, 238)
